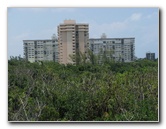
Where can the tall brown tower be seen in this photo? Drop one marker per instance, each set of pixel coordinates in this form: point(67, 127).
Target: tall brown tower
point(72, 37)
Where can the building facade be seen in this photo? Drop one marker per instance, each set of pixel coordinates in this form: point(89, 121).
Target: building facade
point(118, 49)
point(150, 56)
point(72, 38)
point(41, 50)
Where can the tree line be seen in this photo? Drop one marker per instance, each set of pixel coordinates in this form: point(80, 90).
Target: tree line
point(87, 91)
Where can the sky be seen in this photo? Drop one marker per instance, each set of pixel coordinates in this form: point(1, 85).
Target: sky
point(41, 23)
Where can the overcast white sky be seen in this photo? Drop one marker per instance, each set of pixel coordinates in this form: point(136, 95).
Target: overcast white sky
point(41, 23)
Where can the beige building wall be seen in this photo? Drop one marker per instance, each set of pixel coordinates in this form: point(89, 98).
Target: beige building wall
point(69, 47)
point(72, 37)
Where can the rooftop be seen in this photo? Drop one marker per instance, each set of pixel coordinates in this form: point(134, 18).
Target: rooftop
point(109, 38)
point(39, 40)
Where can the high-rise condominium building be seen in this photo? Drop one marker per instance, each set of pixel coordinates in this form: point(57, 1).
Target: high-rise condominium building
point(41, 50)
point(150, 56)
point(119, 49)
point(72, 38)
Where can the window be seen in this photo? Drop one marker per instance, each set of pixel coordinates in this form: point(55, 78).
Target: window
point(113, 47)
point(77, 45)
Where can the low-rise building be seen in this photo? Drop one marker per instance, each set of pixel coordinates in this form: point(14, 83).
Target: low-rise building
point(150, 56)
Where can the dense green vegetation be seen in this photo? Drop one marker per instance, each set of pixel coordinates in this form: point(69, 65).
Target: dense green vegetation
point(49, 91)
